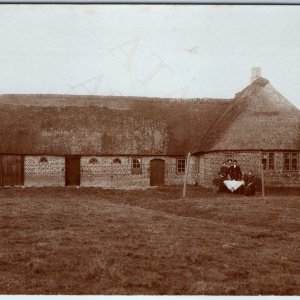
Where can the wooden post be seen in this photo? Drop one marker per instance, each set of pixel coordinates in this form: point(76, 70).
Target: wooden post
point(262, 176)
point(186, 174)
point(1, 170)
point(263, 182)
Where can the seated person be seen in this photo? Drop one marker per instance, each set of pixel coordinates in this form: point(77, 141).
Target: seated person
point(223, 174)
point(250, 184)
point(228, 165)
point(235, 172)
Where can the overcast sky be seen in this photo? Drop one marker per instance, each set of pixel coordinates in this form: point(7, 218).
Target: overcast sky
point(142, 50)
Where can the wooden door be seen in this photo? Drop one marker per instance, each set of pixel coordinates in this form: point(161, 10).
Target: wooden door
point(12, 170)
point(157, 172)
point(72, 175)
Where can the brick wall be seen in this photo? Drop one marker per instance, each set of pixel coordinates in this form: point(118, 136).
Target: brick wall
point(210, 163)
point(279, 177)
point(103, 172)
point(49, 171)
point(171, 176)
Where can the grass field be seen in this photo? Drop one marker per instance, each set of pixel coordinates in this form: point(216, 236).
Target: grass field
point(94, 241)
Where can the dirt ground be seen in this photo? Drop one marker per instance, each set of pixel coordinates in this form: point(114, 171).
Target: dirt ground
point(151, 242)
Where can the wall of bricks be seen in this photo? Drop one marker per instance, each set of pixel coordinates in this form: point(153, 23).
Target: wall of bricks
point(280, 177)
point(44, 173)
point(101, 171)
point(104, 172)
point(210, 163)
point(172, 178)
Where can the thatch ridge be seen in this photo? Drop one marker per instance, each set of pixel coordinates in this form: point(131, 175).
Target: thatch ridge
point(116, 102)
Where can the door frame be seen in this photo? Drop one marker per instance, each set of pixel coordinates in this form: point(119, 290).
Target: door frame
point(1, 176)
point(163, 161)
point(22, 167)
point(67, 169)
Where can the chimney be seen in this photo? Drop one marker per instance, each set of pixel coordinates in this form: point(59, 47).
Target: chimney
point(255, 73)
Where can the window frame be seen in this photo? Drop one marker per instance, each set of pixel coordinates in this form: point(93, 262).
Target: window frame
point(93, 160)
point(270, 161)
point(43, 159)
point(181, 171)
point(117, 161)
point(290, 163)
point(134, 169)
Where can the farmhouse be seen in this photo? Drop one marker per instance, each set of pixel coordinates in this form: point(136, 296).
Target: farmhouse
point(57, 140)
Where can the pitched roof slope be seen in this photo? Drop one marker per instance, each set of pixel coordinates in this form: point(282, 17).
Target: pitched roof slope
point(35, 124)
point(259, 118)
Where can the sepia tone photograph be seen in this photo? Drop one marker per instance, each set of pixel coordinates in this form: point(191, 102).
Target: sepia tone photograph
point(149, 149)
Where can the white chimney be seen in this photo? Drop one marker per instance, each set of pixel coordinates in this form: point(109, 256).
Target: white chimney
point(255, 73)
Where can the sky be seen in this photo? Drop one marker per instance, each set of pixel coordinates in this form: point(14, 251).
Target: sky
point(178, 51)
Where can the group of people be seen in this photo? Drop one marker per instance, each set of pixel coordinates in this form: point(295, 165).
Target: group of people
point(231, 171)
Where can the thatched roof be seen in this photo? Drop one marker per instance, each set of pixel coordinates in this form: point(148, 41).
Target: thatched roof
point(92, 125)
point(259, 118)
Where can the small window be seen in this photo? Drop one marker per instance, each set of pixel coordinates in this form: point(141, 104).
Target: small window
point(286, 161)
point(290, 161)
point(117, 161)
point(268, 160)
point(136, 166)
point(180, 166)
point(93, 160)
point(264, 160)
point(294, 161)
point(271, 161)
point(43, 159)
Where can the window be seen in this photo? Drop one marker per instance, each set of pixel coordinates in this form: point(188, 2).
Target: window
point(117, 161)
point(180, 165)
point(136, 166)
point(294, 161)
point(286, 161)
point(290, 161)
point(271, 161)
point(268, 161)
point(43, 159)
point(93, 160)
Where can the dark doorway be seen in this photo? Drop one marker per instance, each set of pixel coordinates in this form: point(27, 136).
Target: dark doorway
point(72, 170)
point(157, 172)
point(12, 170)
